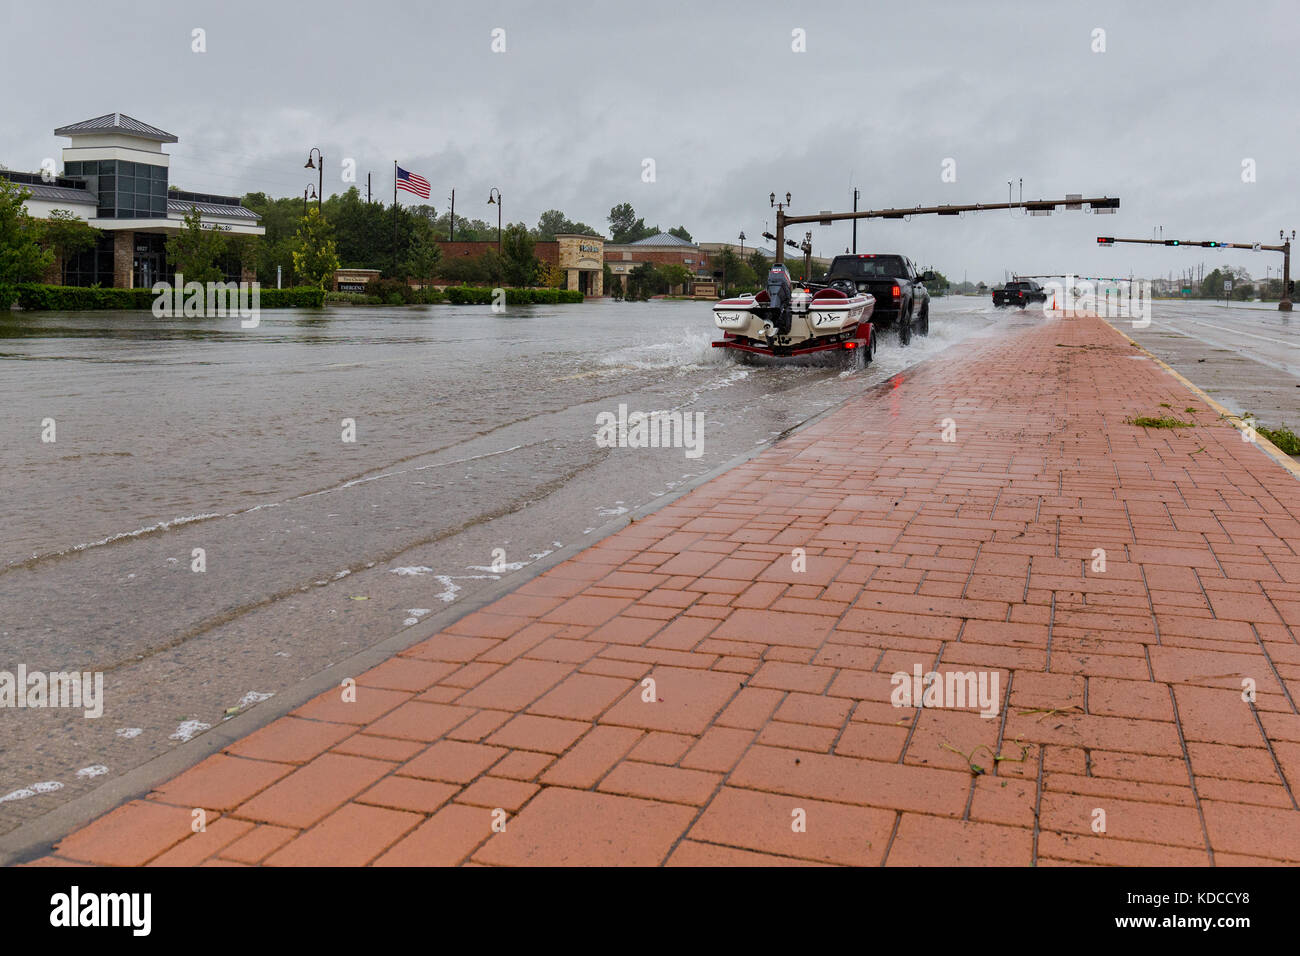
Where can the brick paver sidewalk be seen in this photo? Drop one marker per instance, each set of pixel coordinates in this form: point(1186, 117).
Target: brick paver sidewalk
point(1121, 691)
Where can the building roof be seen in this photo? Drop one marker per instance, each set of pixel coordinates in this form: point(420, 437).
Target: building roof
point(63, 189)
point(119, 123)
point(62, 194)
point(661, 239)
point(210, 209)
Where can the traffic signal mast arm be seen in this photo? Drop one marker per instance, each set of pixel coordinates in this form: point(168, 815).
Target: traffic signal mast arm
point(1209, 244)
point(1285, 248)
point(1038, 205)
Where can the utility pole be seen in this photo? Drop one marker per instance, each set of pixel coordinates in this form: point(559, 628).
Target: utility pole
point(367, 188)
point(453, 216)
point(1285, 304)
point(855, 222)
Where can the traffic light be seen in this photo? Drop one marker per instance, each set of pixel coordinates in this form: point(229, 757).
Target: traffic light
point(1210, 245)
point(1105, 240)
point(1171, 242)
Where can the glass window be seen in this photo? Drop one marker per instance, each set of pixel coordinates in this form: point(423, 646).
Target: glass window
point(158, 187)
point(72, 169)
point(158, 173)
point(158, 205)
point(107, 167)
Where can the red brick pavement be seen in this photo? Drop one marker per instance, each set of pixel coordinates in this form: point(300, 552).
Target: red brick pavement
point(1120, 691)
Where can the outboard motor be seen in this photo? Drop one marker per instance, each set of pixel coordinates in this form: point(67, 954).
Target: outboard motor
point(778, 292)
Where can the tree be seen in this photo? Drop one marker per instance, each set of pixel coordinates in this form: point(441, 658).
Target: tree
point(643, 282)
point(737, 274)
point(553, 223)
point(520, 263)
point(549, 224)
point(423, 255)
point(194, 251)
point(551, 276)
point(674, 275)
point(681, 233)
point(315, 259)
point(66, 235)
point(939, 285)
point(21, 257)
point(624, 226)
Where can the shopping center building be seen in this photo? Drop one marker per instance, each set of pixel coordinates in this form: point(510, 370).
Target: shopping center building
point(117, 178)
point(580, 257)
point(660, 249)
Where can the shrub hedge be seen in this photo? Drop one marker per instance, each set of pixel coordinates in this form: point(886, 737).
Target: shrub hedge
point(481, 295)
point(46, 298)
point(63, 298)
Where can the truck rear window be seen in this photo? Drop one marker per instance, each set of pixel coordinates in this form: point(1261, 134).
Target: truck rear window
point(874, 267)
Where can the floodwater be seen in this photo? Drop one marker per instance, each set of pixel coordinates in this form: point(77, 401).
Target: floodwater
point(475, 455)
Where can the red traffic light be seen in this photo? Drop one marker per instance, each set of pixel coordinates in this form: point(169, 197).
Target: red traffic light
point(1105, 240)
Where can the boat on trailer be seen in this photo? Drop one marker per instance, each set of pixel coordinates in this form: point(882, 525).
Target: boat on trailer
point(789, 318)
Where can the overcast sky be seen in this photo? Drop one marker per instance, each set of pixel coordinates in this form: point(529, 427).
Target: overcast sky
point(713, 93)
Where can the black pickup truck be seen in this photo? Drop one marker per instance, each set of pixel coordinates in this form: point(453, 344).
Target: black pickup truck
point(902, 299)
point(1019, 292)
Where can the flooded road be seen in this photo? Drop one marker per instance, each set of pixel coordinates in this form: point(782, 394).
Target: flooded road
point(474, 456)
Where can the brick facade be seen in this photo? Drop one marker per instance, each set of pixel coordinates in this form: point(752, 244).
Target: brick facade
point(123, 259)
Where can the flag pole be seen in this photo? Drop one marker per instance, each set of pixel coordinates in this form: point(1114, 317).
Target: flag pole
point(394, 217)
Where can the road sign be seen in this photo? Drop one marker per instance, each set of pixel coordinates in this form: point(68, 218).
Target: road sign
point(1227, 285)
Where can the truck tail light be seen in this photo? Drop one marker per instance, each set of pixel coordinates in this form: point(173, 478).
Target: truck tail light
point(896, 292)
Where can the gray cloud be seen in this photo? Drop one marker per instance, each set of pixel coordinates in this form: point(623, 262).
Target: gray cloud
point(712, 92)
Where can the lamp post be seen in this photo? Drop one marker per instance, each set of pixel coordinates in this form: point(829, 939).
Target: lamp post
point(494, 192)
point(304, 197)
point(319, 166)
point(779, 238)
point(742, 243)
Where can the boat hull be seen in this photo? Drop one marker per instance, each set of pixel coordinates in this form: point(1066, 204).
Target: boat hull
point(812, 317)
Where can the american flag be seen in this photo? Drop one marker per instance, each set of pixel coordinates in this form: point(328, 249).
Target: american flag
point(412, 183)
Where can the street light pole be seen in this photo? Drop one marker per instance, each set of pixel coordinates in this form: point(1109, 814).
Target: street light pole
point(494, 192)
point(320, 168)
point(780, 225)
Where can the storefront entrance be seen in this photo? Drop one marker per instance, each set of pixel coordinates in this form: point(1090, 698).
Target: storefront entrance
point(149, 261)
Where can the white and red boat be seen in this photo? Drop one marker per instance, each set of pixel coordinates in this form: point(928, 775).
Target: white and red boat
point(789, 319)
